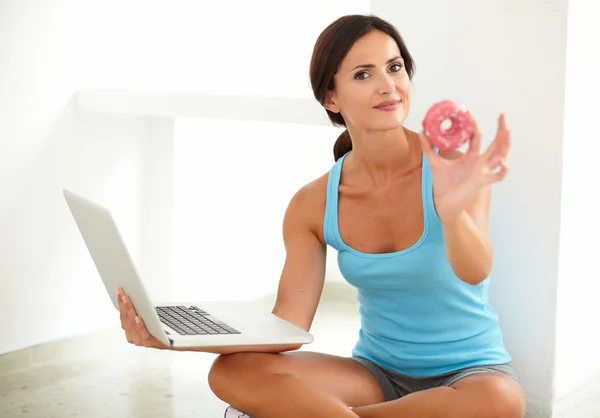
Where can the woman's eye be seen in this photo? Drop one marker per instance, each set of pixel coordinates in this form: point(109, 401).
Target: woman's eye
point(359, 76)
point(398, 67)
point(395, 68)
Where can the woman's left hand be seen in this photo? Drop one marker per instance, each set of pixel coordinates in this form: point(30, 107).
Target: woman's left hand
point(457, 181)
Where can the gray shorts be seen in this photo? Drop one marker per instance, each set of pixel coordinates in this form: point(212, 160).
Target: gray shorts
point(396, 385)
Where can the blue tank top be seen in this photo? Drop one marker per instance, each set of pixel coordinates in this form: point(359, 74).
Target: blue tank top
point(417, 317)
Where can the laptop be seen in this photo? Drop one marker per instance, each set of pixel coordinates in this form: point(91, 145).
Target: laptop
point(181, 324)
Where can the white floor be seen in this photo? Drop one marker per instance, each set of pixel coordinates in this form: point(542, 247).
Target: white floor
point(117, 380)
point(127, 381)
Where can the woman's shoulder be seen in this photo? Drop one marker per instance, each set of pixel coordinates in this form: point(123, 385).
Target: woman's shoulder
point(311, 197)
point(308, 203)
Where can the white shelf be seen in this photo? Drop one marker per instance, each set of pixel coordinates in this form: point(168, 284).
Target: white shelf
point(175, 105)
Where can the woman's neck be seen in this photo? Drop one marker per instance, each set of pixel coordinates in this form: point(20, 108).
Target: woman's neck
point(383, 156)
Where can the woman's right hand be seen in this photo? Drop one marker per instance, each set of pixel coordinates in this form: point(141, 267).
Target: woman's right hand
point(133, 325)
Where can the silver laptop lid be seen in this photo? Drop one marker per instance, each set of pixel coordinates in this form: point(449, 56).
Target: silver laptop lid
point(112, 260)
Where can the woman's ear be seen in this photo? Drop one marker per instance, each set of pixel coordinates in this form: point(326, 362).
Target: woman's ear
point(330, 103)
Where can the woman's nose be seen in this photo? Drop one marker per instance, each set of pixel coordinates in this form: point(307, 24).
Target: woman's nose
point(385, 84)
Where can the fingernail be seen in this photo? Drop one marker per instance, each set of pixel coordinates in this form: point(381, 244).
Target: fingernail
point(137, 319)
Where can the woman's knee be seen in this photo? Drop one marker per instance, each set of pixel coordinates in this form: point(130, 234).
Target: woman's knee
point(503, 399)
point(231, 371)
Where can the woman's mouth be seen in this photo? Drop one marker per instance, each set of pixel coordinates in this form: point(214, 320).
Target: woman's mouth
point(388, 105)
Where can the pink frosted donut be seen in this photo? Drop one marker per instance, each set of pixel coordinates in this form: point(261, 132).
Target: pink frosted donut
point(452, 137)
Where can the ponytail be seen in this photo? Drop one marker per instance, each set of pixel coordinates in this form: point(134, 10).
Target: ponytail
point(342, 145)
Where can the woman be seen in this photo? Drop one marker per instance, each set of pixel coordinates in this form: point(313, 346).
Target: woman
point(411, 228)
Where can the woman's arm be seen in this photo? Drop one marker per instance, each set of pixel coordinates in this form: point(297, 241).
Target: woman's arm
point(462, 189)
point(468, 244)
point(303, 275)
point(300, 285)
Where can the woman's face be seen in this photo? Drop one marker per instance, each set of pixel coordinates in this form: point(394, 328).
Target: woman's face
point(371, 74)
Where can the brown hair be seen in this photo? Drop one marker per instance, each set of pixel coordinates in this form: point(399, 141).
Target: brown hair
point(330, 49)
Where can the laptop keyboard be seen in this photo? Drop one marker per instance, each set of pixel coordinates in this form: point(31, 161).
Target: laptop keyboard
point(191, 320)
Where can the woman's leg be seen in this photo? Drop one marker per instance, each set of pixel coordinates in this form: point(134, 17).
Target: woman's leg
point(293, 384)
point(482, 395)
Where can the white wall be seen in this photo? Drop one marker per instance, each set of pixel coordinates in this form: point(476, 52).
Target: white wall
point(228, 223)
point(578, 340)
point(47, 288)
point(505, 56)
point(51, 49)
